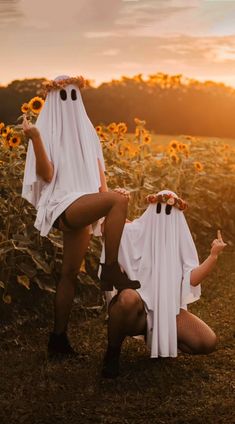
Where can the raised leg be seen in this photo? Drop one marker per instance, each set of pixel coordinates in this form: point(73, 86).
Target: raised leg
point(87, 210)
point(194, 335)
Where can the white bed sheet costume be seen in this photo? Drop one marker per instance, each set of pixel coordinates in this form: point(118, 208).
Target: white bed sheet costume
point(158, 250)
point(72, 145)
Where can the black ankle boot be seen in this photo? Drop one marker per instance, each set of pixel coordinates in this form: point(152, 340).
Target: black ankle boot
point(111, 275)
point(60, 348)
point(111, 363)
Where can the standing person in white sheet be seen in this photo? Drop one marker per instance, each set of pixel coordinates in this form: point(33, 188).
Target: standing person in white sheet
point(64, 179)
point(158, 249)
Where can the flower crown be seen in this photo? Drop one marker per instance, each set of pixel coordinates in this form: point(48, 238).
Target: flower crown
point(169, 199)
point(50, 85)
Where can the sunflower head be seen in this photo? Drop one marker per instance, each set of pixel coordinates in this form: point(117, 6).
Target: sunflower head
point(147, 139)
point(14, 140)
point(24, 108)
point(36, 104)
point(122, 128)
point(174, 158)
point(98, 129)
point(174, 144)
point(112, 127)
point(198, 166)
point(5, 131)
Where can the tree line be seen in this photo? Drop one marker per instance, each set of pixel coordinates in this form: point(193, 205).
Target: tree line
point(170, 104)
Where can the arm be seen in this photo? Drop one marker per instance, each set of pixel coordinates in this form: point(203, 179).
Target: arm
point(44, 168)
point(202, 271)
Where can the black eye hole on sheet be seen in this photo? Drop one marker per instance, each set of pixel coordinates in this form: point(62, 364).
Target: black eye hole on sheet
point(168, 209)
point(63, 95)
point(159, 208)
point(73, 94)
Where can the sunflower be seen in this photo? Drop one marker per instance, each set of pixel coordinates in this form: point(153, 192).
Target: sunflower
point(5, 131)
point(36, 104)
point(25, 108)
point(103, 136)
point(14, 141)
point(122, 128)
point(174, 144)
point(174, 158)
point(2, 125)
point(112, 127)
point(147, 139)
point(98, 129)
point(198, 166)
point(111, 145)
point(185, 150)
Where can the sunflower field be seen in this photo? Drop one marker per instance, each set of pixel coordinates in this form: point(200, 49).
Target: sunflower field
point(200, 170)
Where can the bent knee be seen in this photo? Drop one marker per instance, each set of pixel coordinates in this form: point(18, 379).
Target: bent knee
point(121, 200)
point(129, 300)
point(208, 345)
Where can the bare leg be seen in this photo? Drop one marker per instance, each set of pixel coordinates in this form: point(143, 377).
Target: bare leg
point(75, 247)
point(194, 335)
point(91, 207)
point(127, 317)
point(87, 210)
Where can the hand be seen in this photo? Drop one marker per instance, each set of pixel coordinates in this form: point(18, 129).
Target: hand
point(218, 245)
point(123, 192)
point(29, 129)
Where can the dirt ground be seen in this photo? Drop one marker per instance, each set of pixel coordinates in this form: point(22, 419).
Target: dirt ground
point(183, 390)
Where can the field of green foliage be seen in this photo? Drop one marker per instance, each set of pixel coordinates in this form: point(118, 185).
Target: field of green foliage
point(200, 170)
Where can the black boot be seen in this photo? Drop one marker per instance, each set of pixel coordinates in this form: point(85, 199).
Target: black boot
point(111, 275)
point(60, 348)
point(111, 362)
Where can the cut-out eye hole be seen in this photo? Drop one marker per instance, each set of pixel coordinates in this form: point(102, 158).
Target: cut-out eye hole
point(159, 208)
point(168, 209)
point(73, 94)
point(63, 95)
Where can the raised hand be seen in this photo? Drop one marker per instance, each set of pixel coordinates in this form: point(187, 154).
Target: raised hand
point(218, 245)
point(29, 129)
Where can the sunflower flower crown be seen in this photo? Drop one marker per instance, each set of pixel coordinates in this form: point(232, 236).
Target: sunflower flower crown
point(50, 85)
point(169, 199)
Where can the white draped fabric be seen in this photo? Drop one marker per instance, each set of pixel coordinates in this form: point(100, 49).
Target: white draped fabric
point(158, 250)
point(73, 147)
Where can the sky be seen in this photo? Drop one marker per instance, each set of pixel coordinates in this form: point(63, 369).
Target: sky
point(105, 39)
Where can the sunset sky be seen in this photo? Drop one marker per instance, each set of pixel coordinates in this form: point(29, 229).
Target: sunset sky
point(104, 39)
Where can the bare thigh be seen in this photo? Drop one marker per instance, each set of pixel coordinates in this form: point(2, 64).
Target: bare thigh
point(194, 335)
point(88, 208)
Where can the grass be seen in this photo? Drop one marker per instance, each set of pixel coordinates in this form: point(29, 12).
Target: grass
point(183, 390)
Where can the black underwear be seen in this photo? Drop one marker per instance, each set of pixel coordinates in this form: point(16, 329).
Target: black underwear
point(56, 223)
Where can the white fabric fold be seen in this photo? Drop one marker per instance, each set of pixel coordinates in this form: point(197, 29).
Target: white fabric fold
point(72, 145)
point(158, 250)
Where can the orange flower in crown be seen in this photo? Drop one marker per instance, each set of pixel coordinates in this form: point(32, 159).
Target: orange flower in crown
point(50, 85)
point(169, 199)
